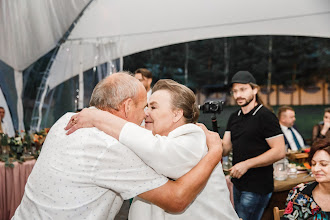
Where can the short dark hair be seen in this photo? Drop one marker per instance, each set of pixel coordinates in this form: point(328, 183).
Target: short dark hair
point(2, 107)
point(319, 144)
point(144, 72)
point(282, 109)
point(327, 110)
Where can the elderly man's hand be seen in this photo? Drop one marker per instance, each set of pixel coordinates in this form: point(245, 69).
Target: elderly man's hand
point(83, 119)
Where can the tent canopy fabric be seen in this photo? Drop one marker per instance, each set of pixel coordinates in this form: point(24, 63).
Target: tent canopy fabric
point(117, 28)
point(111, 29)
point(29, 29)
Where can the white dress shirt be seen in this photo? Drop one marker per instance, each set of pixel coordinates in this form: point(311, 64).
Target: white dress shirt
point(287, 133)
point(85, 175)
point(173, 156)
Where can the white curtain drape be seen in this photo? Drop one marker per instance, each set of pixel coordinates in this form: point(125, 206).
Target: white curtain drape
point(29, 29)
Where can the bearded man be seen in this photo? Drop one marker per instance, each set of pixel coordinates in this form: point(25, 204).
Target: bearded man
point(254, 134)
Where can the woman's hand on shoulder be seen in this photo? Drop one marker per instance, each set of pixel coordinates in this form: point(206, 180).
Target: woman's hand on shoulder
point(83, 119)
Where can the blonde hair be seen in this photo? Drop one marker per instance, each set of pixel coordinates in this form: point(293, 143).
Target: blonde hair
point(182, 98)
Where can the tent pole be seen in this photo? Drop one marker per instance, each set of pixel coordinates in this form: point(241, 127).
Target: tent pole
point(43, 89)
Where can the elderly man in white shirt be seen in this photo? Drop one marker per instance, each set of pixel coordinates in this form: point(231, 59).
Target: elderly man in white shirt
point(88, 174)
point(174, 146)
point(293, 139)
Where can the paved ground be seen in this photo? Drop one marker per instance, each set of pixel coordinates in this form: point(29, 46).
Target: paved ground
point(123, 212)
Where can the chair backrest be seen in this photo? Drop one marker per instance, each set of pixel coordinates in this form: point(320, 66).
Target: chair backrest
point(278, 213)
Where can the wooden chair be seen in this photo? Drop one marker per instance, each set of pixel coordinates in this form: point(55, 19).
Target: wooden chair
point(278, 213)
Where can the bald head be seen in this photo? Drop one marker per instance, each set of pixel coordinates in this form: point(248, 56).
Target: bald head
point(109, 93)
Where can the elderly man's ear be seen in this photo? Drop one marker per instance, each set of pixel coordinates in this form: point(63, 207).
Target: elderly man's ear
point(127, 105)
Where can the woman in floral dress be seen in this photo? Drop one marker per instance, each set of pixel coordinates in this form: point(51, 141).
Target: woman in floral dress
point(312, 200)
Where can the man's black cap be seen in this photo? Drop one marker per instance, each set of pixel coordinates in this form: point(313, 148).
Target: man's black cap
point(243, 77)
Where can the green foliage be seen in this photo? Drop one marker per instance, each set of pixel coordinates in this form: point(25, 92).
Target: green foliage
point(298, 60)
point(16, 147)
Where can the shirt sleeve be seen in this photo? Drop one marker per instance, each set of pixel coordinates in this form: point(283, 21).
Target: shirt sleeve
point(122, 171)
point(270, 125)
point(173, 155)
point(228, 128)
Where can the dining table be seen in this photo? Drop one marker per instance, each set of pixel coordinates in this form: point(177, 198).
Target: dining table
point(12, 184)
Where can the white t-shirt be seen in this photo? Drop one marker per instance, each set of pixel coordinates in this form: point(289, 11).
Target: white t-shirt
point(173, 156)
point(85, 175)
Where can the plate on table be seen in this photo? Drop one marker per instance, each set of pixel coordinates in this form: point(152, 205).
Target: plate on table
point(301, 168)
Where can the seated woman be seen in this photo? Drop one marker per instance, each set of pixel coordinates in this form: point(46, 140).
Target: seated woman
point(175, 145)
point(312, 200)
point(321, 130)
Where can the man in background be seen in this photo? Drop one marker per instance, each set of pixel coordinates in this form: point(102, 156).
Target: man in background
point(293, 139)
point(255, 136)
point(3, 127)
point(145, 77)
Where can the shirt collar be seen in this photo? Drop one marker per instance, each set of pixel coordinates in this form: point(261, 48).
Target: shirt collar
point(283, 127)
point(252, 112)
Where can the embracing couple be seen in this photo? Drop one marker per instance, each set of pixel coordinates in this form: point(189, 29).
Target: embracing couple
point(171, 166)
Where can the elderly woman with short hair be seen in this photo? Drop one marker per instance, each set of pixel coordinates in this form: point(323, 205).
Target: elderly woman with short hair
point(175, 145)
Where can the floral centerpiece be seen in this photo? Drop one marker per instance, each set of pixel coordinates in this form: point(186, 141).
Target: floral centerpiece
point(21, 147)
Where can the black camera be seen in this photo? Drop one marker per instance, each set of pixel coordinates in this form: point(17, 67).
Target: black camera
point(212, 107)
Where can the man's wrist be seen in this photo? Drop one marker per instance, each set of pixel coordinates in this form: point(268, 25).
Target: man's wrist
point(248, 163)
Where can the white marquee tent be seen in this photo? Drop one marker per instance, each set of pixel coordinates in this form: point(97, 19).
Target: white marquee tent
point(111, 29)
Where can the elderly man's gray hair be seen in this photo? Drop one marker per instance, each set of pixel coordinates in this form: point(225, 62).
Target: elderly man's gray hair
point(113, 90)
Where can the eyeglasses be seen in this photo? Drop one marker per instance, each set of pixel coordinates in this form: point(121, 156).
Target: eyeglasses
point(241, 90)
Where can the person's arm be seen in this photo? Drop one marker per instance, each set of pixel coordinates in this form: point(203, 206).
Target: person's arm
point(316, 132)
point(173, 155)
point(325, 129)
point(275, 153)
point(227, 145)
point(103, 120)
point(175, 196)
